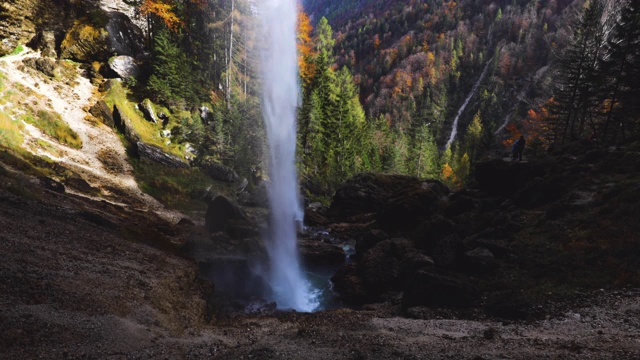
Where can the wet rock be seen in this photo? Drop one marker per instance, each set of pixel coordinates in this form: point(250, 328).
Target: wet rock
point(100, 110)
point(380, 266)
point(155, 154)
point(429, 232)
point(435, 287)
point(318, 253)
point(350, 286)
point(124, 66)
point(411, 263)
point(258, 196)
point(372, 238)
point(221, 211)
point(314, 218)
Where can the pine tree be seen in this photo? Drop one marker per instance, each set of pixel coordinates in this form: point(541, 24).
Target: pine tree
point(579, 75)
point(172, 78)
point(621, 66)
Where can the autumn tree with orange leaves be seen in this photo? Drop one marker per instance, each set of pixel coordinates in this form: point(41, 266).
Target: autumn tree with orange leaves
point(306, 52)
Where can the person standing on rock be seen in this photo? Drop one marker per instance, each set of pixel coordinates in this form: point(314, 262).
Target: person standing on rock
point(518, 148)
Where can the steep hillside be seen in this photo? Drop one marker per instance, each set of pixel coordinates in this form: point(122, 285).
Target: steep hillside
point(417, 61)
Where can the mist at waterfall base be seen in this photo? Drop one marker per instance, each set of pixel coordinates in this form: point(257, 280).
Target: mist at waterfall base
point(280, 90)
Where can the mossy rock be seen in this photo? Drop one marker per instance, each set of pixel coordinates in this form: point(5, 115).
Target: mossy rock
point(85, 42)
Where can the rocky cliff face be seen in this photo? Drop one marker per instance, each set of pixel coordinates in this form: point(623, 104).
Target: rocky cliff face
point(25, 21)
point(17, 24)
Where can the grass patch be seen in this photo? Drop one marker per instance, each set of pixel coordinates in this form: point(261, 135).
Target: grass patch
point(51, 123)
point(10, 132)
point(176, 188)
point(17, 50)
point(149, 133)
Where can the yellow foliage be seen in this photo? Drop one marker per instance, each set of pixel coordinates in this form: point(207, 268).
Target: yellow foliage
point(163, 11)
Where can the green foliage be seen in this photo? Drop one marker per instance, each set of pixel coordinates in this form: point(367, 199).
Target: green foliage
point(172, 78)
point(51, 123)
point(176, 188)
point(147, 131)
point(17, 50)
point(10, 132)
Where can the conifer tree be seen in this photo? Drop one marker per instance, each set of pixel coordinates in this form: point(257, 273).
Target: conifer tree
point(621, 66)
point(579, 73)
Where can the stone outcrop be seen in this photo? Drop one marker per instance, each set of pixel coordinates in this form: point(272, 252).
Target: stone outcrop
point(404, 199)
point(100, 110)
point(155, 154)
point(219, 172)
point(146, 106)
point(124, 66)
point(318, 253)
point(46, 66)
point(99, 39)
point(17, 25)
point(221, 211)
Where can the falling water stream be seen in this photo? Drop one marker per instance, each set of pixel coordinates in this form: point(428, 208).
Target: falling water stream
point(280, 90)
point(454, 128)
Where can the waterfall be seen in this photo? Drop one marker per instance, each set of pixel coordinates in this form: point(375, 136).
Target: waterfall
point(280, 91)
point(454, 128)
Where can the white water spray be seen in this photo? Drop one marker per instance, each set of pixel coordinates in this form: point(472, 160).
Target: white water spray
point(454, 128)
point(280, 91)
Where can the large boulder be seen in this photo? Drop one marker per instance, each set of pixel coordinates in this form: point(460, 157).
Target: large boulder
point(155, 154)
point(100, 110)
point(380, 266)
point(221, 211)
point(504, 178)
point(350, 286)
point(146, 106)
point(372, 193)
point(85, 42)
point(101, 37)
point(124, 66)
point(125, 38)
point(218, 171)
point(125, 125)
point(317, 253)
point(408, 207)
point(46, 66)
point(45, 42)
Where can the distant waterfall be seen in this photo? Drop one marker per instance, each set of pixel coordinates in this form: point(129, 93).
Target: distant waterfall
point(280, 91)
point(454, 128)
